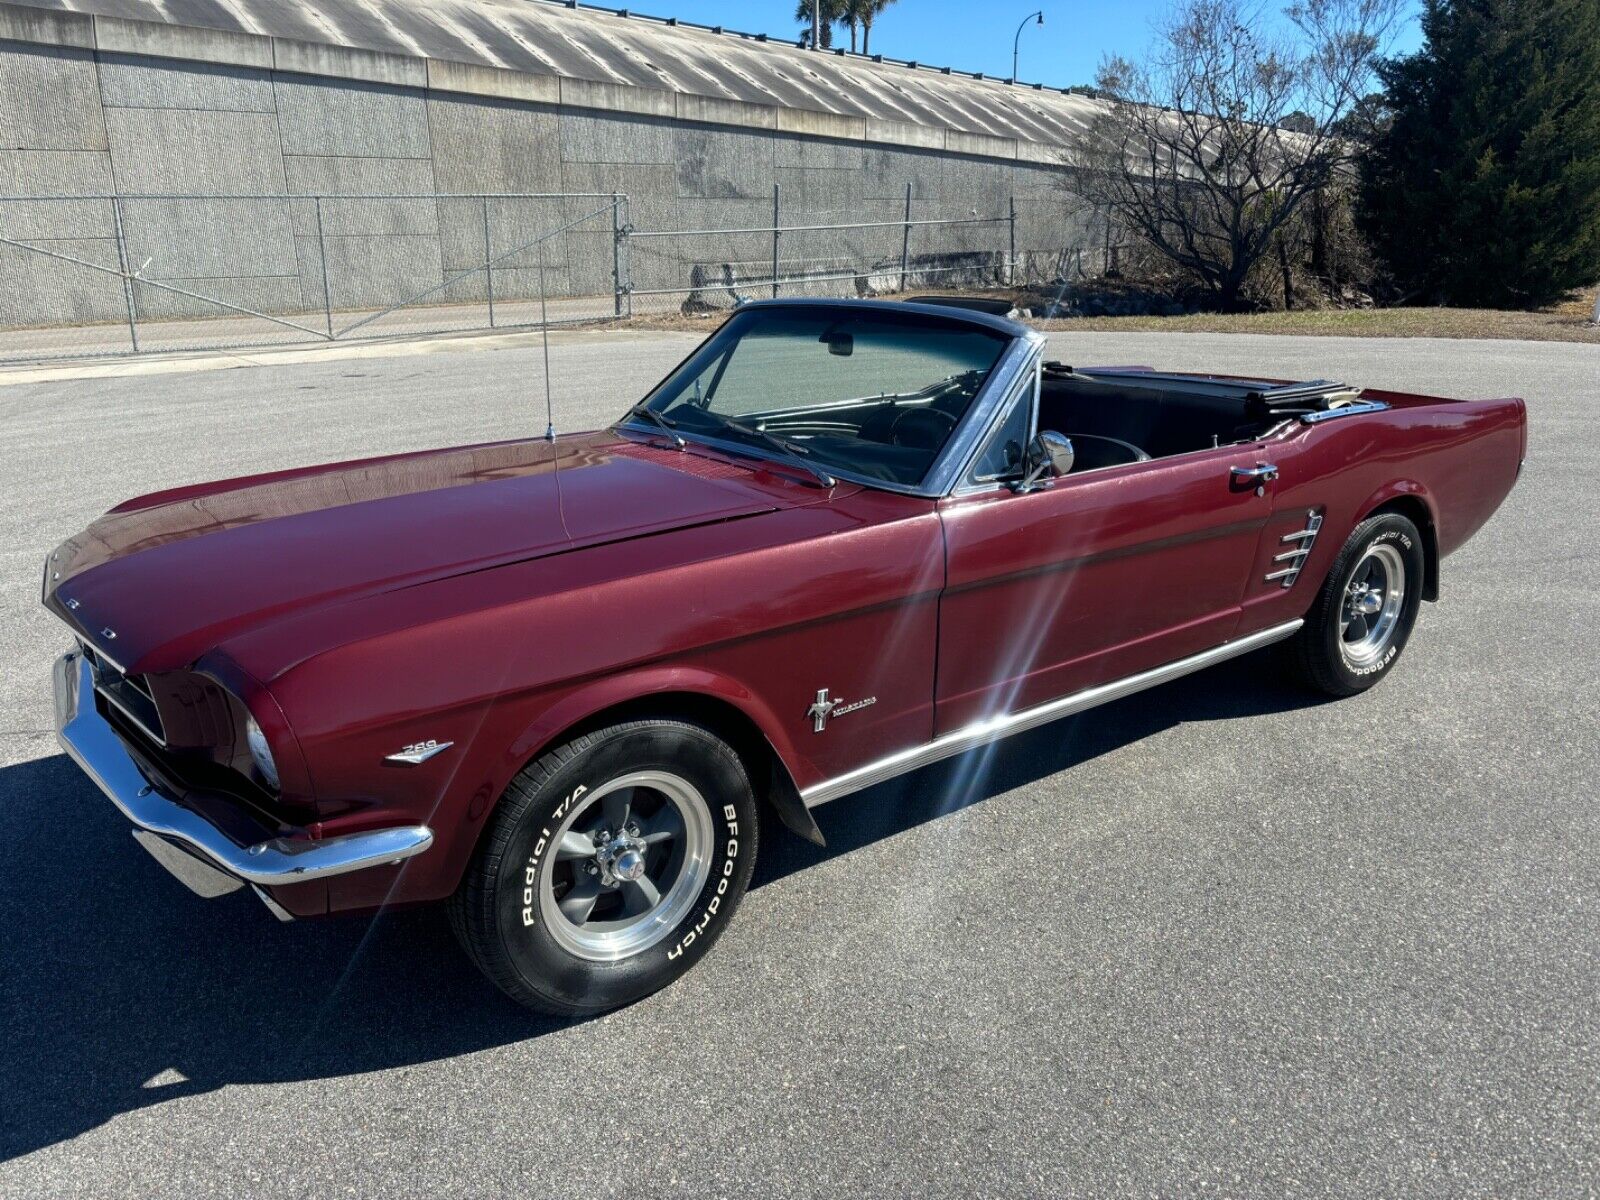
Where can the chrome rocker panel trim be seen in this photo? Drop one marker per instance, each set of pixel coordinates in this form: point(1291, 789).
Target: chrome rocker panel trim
point(173, 833)
point(972, 736)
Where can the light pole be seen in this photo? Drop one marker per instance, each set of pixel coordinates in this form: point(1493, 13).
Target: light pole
point(1016, 41)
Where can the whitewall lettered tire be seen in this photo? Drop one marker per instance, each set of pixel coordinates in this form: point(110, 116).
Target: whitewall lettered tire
point(610, 866)
point(1365, 609)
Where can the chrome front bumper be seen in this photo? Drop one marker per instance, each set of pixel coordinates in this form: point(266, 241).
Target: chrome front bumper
point(204, 858)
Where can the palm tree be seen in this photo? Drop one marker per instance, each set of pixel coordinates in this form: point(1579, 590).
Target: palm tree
point(865, 11)
point(831, 12)
point(850, 18)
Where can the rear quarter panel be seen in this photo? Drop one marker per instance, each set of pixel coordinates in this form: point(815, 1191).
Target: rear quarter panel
point(1459, 458)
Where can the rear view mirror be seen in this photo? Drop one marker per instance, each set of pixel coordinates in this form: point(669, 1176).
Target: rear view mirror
point(842, 344)
point(1050, 455)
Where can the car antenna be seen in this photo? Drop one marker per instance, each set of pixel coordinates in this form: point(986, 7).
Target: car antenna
point(544, 330)
point(549, 411)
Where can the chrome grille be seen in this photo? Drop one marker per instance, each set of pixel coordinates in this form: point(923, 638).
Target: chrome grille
point(130, 695)
point(1300, 543)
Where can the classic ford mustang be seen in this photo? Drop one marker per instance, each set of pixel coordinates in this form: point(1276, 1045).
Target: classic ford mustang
point(561, 684)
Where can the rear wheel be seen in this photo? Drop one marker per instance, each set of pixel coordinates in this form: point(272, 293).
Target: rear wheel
point(610, 866)
point(1362, 616)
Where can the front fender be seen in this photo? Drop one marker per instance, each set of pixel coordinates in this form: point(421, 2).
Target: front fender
point(586, 703)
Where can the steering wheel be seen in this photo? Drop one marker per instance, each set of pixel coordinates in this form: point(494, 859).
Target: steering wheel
point(927, 437)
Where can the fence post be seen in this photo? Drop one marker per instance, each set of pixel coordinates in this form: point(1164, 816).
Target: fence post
point(488, 262)
point(905, 239)
point(127, 282)
point(1011, 255)
point(322, 257)
point(627, 252)
point(616, 254)
point(774, 241)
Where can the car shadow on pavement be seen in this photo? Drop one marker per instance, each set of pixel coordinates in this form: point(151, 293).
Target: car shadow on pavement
point(119, 989)
point(1244, 687)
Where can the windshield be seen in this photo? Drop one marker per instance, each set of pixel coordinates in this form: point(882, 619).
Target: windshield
point(870, 394)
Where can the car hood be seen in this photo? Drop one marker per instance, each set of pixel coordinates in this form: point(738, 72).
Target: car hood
point(158, 581)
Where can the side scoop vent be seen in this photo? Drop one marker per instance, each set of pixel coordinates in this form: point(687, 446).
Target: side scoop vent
point(1294, 557)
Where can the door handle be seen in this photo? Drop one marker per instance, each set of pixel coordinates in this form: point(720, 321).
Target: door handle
point(1257, 476)
point(1260, 473)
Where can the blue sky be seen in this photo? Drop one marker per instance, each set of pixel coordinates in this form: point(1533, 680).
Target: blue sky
point(974, 37)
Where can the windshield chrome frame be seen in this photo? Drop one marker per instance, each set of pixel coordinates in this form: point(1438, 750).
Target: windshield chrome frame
point(947, 469)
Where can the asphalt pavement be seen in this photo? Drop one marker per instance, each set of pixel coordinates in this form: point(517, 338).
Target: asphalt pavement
point(1220, 938)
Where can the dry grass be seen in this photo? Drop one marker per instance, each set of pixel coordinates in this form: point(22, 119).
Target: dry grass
point(705, 324)
point(1567, 322)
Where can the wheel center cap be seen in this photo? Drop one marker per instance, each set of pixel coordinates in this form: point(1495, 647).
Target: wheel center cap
point(627, 865)
point(1366, 603)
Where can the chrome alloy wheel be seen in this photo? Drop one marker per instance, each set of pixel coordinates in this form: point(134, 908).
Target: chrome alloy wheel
point(629, 862)
point(1372, 602)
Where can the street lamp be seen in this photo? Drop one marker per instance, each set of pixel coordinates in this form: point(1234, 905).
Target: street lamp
point(1016, 40)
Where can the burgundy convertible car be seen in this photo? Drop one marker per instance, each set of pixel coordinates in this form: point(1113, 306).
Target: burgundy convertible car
point(562, 683)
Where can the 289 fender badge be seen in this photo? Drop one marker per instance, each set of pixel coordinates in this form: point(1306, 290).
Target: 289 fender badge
point(417, 752)
point(824, 707)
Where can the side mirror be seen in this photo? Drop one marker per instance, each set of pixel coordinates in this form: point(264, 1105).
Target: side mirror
point(1050, 455)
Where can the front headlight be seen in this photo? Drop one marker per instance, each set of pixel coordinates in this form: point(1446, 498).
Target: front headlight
point(260, 752)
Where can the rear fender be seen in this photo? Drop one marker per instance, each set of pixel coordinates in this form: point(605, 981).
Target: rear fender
point(1412, 500)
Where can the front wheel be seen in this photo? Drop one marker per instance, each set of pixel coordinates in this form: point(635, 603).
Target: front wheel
point(610, 867)
point(1364, 612)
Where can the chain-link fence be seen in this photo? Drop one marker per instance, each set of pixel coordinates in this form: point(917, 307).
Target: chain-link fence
point(112, 275)
point(875, 248)
point(105, 275)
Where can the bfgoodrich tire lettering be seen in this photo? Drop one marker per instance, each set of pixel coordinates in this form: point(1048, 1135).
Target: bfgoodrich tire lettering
point(1363, 613)
point(567, 932)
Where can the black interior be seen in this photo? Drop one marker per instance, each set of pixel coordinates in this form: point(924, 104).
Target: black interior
point(1112, 421)
point(1156, 422)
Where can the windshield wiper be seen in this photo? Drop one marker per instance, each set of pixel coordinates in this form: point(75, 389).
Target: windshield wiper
point(791, 452)
point(665, 424)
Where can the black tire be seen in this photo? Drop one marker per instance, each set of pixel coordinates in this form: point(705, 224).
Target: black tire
point(504, 918)
point(1325, 655)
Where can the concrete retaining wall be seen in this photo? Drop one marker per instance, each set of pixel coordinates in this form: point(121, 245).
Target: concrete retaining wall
point(128, 108)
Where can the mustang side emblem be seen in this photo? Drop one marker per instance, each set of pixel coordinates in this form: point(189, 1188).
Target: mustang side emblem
point(417, 752)
point(823, 708)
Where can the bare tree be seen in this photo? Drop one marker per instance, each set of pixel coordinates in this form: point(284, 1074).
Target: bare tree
point(1212, 144)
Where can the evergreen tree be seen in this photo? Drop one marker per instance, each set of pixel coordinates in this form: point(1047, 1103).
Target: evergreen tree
point(1483, 188)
